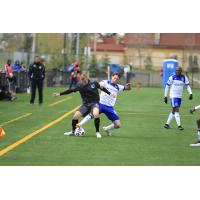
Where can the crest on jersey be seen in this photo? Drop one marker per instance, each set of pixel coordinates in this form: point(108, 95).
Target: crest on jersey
point(93, 86)
point(117, 87)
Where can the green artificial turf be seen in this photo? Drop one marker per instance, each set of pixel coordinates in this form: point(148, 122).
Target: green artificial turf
point(141, 140)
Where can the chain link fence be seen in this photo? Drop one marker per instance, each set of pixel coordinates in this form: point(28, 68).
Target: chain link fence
point(60, 78)
point(139, 61)
point(145, 69)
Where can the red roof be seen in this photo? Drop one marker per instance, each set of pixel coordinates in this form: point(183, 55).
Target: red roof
point(179, 39)
point(108, 47)
point(162, 40)
point(166, 40)
point(134, 39)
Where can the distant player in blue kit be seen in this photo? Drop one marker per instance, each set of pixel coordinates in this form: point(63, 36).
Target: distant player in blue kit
point(176, 84)
point(106, 103)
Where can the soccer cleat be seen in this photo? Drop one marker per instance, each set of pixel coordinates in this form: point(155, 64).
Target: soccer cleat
point(70, 133)
point(192, 110)
point(166, 126)
point(13, 98)
point(180, 128)
point(107, 131)
point(196, 144)
point(98, 135)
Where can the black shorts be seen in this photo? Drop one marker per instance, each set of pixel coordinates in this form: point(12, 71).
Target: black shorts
point(87, 108)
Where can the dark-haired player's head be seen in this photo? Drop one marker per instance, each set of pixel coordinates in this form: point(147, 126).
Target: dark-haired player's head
point(9, 62)
point(115, 78)
point(178, 71)
point(37, 59)
point(76, 63)
point(84, 78)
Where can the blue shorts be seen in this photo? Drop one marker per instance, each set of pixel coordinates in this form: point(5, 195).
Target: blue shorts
point(109, 112)
point(175, 102)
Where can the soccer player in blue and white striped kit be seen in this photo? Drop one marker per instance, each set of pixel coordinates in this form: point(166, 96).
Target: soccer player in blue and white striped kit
point(106, 103)
point(176, 84)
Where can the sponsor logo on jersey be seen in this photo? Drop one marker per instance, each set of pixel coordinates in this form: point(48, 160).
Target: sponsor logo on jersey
point(178, 84)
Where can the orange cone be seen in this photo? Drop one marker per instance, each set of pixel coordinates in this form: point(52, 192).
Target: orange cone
point(2, 133)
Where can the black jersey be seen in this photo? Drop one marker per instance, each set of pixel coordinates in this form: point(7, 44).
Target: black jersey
point(36, 71)
point(89, 93)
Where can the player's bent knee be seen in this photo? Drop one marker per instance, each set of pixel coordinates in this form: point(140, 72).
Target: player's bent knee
point(96, 115)
point(117, 125)
point(77, 115)
point(75, 118)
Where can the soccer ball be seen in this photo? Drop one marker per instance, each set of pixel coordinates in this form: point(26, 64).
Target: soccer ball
point(79, 132)
point(2, 133)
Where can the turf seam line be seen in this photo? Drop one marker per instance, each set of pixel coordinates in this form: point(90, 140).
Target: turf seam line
point(29, 136)
point(15, 119)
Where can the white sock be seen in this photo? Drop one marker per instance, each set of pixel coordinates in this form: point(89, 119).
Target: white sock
point(198, 134)
point(86, 119)
point(109, 127)
point(170, 118)
point(177, 117)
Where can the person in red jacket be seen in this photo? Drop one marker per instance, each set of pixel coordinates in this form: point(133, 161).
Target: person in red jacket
point(75, 75)
point(11, 80)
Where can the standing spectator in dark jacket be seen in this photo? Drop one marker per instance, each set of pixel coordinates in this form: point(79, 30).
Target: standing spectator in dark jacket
point(36, 75)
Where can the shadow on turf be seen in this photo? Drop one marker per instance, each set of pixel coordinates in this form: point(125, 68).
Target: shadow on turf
point(103, 137)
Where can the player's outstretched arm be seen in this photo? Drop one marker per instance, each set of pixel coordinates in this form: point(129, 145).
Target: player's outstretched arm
point(165, 94)
point(190, 92)
point(187, 84)
point(101, 86)
point(107, 92)
point(56, 94)
point(127, 86)
point(66, 92)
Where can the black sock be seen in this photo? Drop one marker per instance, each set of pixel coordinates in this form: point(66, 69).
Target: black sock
point(74, 122)
point(97, 123)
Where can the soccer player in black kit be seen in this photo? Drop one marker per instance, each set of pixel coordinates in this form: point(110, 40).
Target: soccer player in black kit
point(36, 74)
point(90, 96)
